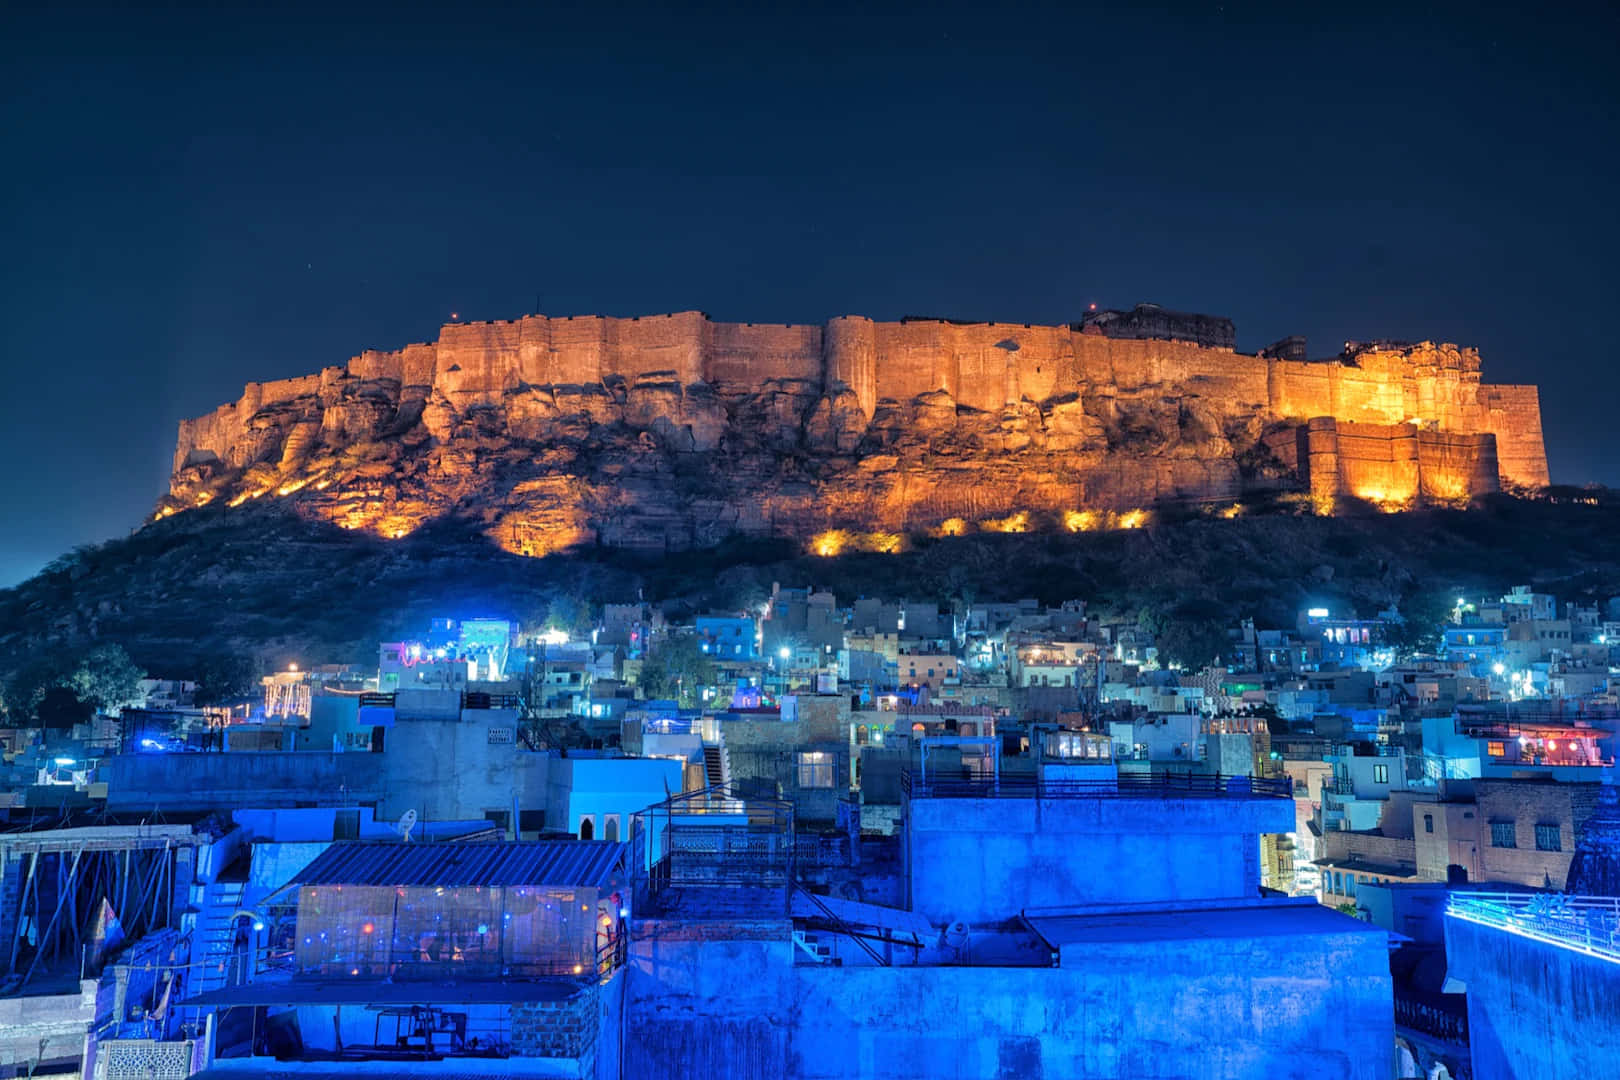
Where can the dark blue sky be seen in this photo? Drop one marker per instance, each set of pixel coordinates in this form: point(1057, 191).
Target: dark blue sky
point(195, 198)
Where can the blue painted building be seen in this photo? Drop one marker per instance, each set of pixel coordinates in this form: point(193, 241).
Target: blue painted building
point(728, 637)
point(1481, 645)
point(1542, 975)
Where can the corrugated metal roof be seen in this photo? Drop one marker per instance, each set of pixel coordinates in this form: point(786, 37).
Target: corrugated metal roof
point(544, 862)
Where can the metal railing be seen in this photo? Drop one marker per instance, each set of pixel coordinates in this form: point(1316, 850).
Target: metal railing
point(476, 700)
point(1168, 785)
point(1587, 924)
point(279, 964)
point(1439, 1016)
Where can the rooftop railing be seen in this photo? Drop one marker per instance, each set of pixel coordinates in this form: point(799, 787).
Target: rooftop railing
point(1586, 924)
point(1170, 785)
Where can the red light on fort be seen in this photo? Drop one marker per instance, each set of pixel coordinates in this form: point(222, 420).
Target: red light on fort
point(1093, 307)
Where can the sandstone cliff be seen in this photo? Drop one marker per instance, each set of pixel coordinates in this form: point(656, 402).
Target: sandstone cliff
point(675, 431)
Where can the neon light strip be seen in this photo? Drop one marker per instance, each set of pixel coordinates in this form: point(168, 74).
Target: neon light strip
point(1501, 922)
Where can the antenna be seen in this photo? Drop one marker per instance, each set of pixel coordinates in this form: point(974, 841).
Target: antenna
point(407, 822)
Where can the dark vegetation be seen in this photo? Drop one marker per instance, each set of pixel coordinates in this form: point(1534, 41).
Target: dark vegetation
point(221, 595)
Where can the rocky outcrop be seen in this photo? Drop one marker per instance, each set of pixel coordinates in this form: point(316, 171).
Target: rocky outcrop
point(675, 431)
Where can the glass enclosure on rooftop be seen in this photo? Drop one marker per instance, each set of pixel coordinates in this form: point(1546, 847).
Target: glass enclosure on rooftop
point(443, 932)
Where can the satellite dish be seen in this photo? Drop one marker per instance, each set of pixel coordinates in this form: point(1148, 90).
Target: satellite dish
point(407, 822)
point(956, 934)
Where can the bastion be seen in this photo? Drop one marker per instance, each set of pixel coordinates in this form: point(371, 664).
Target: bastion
point(673, 431)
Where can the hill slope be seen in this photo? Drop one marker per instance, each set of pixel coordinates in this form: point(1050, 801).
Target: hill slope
point(201, 592)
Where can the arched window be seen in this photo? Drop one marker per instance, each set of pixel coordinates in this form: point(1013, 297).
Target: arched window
point(587, 828)
point(610, 829)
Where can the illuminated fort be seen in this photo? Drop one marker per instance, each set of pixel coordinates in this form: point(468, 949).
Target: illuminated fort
point(673, 431)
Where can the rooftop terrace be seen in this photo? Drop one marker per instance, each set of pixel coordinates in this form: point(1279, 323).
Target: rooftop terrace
point(1184, 785)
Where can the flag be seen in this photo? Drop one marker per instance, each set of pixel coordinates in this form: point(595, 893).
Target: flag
point(109, 932)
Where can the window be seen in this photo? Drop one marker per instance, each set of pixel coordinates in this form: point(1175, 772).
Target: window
point(1504, 834)
point(610, 831)
point(1428, 823)
point(1349, 884)
point(1549, 838)
point(587, 828)
point(816, 769)
point(1495, 749)
point(1338, 882)
point(1380, 774)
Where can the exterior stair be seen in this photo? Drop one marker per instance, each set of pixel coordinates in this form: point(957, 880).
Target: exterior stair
point(810, 943)
point(716, 764)
point(215, 937)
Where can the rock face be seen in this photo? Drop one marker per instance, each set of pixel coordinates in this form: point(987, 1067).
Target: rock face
point(675, 431)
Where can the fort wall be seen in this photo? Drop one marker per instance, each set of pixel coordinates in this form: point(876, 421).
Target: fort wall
point(1393, 464)
point(1513, 415)
point(1389, 422)
point(742, 356)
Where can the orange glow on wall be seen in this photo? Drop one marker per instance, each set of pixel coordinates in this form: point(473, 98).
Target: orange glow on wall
point(1134, 519)
point(829, 543)
point(1013, 523)
point(839, 541)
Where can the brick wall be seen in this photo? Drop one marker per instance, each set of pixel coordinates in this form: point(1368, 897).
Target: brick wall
point(1527, 804)
point(567, 1028)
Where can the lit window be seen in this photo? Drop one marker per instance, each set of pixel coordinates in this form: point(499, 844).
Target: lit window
point(816, 769)
point(1504, 834)
point(1495, 749)
point(1549, 838)
point(1380, 774)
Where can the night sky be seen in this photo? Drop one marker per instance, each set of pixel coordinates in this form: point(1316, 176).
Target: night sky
point(195, 199)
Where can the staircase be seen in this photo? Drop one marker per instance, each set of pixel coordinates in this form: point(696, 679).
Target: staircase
point(810, 943)
point(716, 764)
point(214, 937)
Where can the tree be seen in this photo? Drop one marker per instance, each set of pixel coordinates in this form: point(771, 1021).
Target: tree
point(225, 679)
point(28, 686)
point(679, 669)
point(60, 708)
point(106, 678)
point(1423, 614)
point(1192, 634)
